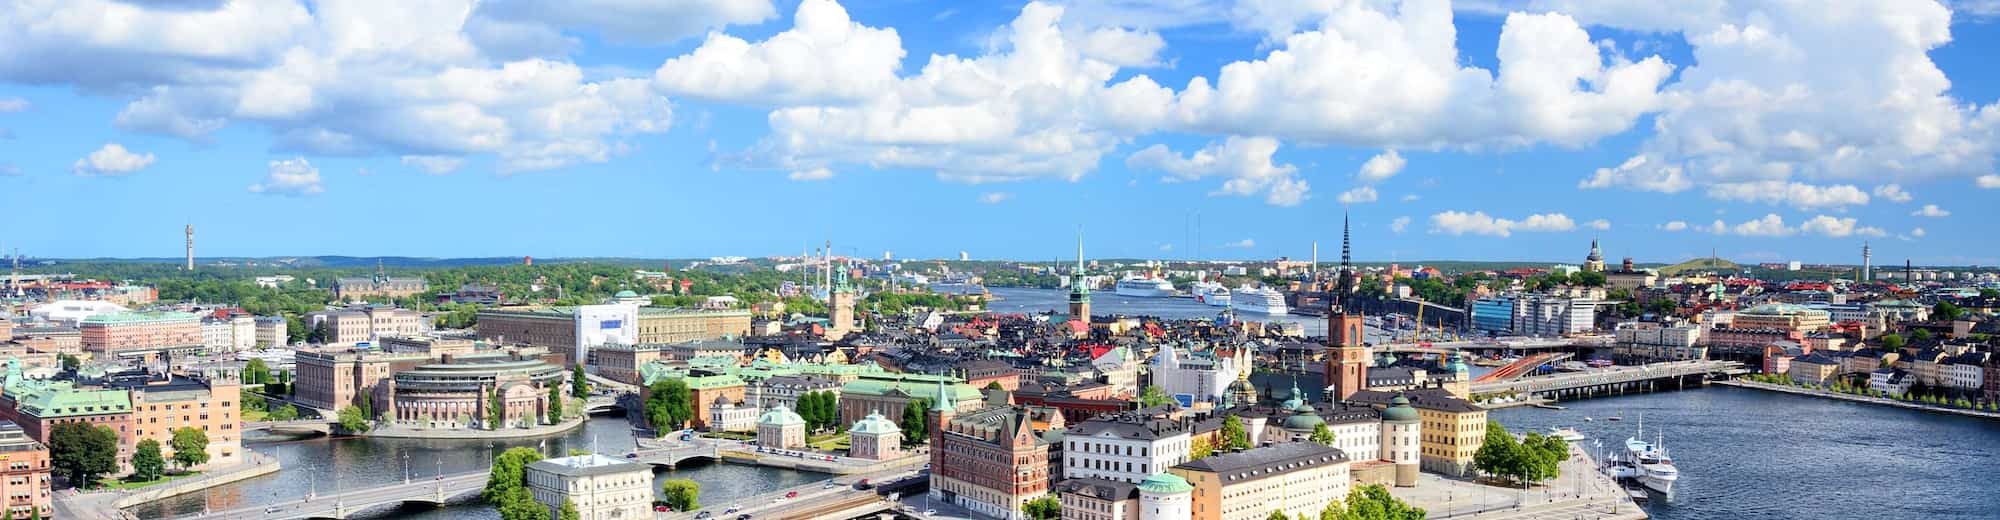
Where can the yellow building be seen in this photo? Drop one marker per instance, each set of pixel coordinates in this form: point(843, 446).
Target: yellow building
point(1781, 316)
point(1298, 478)
point(1453, 428)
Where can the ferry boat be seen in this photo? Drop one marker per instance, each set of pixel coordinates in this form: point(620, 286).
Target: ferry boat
point(1212, 293)
point(1656, 469)
point(1567, 434)
point(1257, 300)
point(1145, 287)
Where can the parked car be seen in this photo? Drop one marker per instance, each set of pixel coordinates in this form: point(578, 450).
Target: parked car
point(701, 516)
point(791, 494)
point(662, 509)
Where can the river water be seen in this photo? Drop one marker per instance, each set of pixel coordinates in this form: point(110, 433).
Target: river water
point(1763, 455)
point(1029, 301)
point(329, 465)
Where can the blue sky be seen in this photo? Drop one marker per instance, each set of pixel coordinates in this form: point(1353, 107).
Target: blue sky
point(1765, 131)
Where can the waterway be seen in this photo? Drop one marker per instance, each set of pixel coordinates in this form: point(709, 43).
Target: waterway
point(1746, 453)
point(1029, 301)
point(325, 466)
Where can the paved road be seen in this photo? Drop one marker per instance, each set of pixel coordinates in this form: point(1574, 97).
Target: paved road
point(810, 496)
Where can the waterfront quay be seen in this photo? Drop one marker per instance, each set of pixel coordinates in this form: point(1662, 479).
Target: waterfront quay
point(1813, 392)
point(1581, 491)
point(1617, 379)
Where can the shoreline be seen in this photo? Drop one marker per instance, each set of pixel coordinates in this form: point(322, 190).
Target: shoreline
point(1855, 398)
point(393, 432)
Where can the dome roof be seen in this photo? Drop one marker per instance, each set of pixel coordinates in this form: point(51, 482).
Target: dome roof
point(875, 424)
point(1303, 421)
point(780, 416)
point(1165, 483)
point(1399, 410)
point(627, 294)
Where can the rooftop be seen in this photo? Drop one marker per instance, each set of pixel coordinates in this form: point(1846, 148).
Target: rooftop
point(587, 465)
point(1268, 461)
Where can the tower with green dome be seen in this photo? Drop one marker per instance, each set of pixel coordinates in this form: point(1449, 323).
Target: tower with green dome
point(1165, 496)
point(840, 305)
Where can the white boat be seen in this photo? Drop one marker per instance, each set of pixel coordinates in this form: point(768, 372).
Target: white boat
point(1258, 300)
point(1211, 293)
point(1145, 287)
point(1567, 434)
point(1656, 468)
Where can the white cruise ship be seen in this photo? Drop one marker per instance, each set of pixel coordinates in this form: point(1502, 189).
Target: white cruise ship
point(1145, 287)
point(1257, 300)
point(1656, 469)
point(1211, 293)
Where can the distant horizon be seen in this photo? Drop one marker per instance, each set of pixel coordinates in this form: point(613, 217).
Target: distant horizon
point(448, 261)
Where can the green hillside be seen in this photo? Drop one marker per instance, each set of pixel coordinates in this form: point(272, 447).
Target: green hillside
point(1699, 265)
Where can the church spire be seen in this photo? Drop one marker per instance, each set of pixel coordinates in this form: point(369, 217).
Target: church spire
point(943, 401)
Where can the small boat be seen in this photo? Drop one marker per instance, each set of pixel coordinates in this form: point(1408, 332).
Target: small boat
point(1614, 418)
point(1567, 434)
point(1588, 419)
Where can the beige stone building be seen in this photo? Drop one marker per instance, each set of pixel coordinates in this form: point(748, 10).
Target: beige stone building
point(122, 334)
point(1297, 478)
point(875, 438)
point(362, 324)
point(162, 405)
point(677, 325)
point(330, 378)
point(600, 487)
point(1453, 429)
point(24, 474)
point(621, 362)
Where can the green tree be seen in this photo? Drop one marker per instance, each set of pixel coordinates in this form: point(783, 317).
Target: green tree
point(669, 405)
point(1200, 449)
point(1233, 435)
point(283, 413)
point(1500, 455)
point(1322, 435)
point(81, 452)
point(251, 401)
point(994, 385)
point(1920, 335)
point(147, 464)
point(579, 386)
point(518, 504)
point(1947, 311)
point(190, 447)
point(507, 474)
point(1152, 396)
point(915, 422)
point(556, 404)
point(367, 405)
point(256, 373)
point(496, 410)
point(1372, 502)
point(568, 511)
point(682, 494)
point(1277, 515)
point(69, 362)
point(351, 419)
point(1892, 342)
point(1044, 508)
point(1663, 306)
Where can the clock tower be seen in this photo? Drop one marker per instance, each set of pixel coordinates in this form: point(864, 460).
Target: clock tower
point(1347, 357)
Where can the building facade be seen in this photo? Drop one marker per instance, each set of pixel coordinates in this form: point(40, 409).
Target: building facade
point(356, 325)
point(1296, 478)
point(781, 428)
point(161, 405)
point(1124, 447)
point(331, 378)
point(990, 461)
point(124, 334)
point(24, 474)
point(599, 487)
point(456, 392)
point(677, 325)
point(875, 438)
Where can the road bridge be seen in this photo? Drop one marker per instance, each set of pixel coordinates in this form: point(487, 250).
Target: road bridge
point(435, 491)
point(301, 425)
point(1612, 380)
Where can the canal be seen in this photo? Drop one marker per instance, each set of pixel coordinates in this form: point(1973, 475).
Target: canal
point(329, 465)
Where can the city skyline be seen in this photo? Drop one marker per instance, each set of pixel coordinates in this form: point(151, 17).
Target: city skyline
point(1470, 131)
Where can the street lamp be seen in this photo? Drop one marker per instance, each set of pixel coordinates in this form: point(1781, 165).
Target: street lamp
point(406, 468)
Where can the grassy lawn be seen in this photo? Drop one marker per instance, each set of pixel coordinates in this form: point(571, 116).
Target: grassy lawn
point(734, 436)
point(829, 442)
point(254, 415)
point(122, 484)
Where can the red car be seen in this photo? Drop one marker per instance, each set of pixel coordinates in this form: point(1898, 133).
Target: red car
point(662, 509)
point(793, 494)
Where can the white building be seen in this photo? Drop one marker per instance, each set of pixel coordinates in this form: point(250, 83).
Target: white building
point(726, 415)
point(273, 332)
point(1890, 381)
point(242, 332)
point(599, 487)
point(69, 312)
point(1964, 371)
point(597, 325)
point(216, 334)
point(1194, 378)
point(1549, 316)
point(1123, 447)
point(1655, 342)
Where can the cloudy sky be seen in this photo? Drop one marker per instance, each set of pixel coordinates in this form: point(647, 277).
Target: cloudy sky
point(1479, 129)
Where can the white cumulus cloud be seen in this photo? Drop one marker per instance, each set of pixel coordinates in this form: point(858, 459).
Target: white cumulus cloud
point(995, 197)
point(13, 105)
point(1988, 181)
point(1399, 224)
point(811, 174)
point(1931, 210)
point(1358, 195)
point(1382, 166)
point(1892, 193)
point(111, 160)
point(1599, 224)
point(1770, 225)
point(434, 164)
point(293, 177)
point(825, 56)
point(1640, 174)
point(1245, 163)
point(1244, 243)
point(1675, 225)
point(1479, 223)
point(1798, 195)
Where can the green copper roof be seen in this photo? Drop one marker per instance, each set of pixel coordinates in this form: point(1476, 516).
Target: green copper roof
point(875, 424)
point(780, 416)
point(1400, 410)
point(49, 399)
point(141, 317)
point(942, 403)
point(910, 384)
point(1165, 484)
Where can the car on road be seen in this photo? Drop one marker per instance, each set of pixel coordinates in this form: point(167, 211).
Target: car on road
point(632, 455)
point(701, 516)
point(732, 509)
point(662, 509)
point(744, 516)
point(791, 494)
point(930, 512)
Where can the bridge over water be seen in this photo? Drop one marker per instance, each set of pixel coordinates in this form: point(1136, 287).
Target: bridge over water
point(1612, 380)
